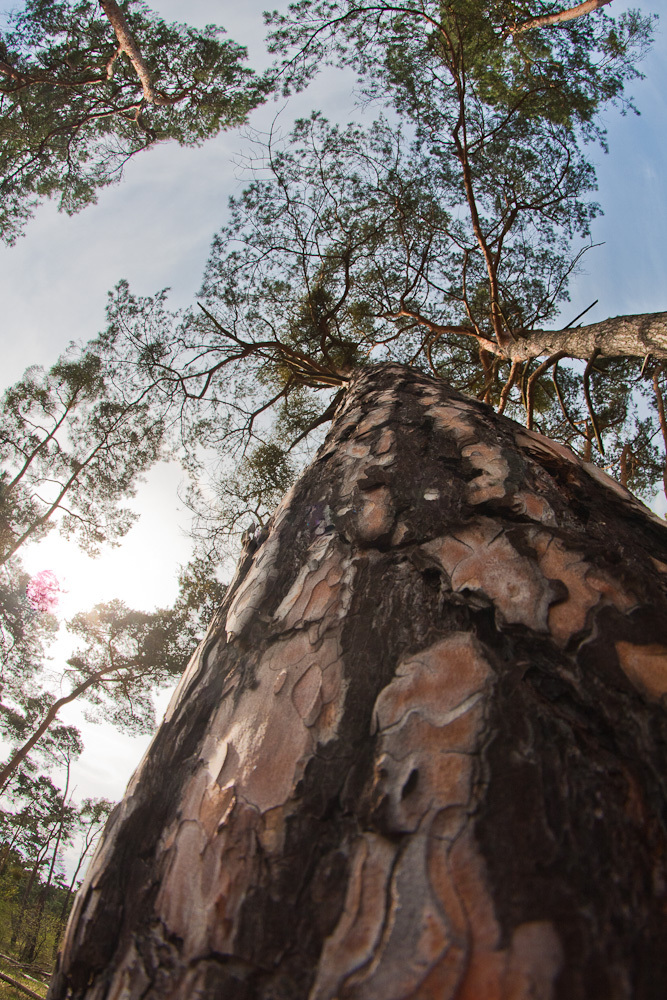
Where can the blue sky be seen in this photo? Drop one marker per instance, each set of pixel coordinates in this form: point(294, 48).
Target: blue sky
point(155, 229)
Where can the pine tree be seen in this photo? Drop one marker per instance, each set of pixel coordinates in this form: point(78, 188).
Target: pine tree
point(420, 753)
point(84, 86)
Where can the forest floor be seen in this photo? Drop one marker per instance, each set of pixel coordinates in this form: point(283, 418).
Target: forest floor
point(30, 981)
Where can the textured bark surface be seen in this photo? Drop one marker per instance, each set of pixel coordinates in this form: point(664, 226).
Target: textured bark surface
point(422, 752)
point(618, 337)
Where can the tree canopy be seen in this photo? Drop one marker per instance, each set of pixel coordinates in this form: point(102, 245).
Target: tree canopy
point(123, 657)
point(84, 86)
point(443, 234)
point(74, 442)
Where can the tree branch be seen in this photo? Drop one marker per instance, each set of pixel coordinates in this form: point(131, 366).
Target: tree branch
point(589, 402)
point(619, 336)
point(128, 45)
point(663, 423)
point(571, 14)
point(507, 388)
point(19, 986)
point(540, 370)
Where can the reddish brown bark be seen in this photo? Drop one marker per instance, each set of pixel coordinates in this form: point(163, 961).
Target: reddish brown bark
point(422, 752)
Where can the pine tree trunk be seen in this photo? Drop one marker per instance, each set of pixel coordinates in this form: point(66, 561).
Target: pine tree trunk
point(422, 752)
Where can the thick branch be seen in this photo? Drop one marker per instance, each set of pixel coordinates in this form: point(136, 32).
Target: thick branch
point(620, 336)
point(129, 46)
point(561, 16)
point(12, 73)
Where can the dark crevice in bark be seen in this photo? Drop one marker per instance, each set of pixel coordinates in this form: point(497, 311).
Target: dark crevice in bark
point(577, 767)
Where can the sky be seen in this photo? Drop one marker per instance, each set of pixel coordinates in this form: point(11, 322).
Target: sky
point(155, 228)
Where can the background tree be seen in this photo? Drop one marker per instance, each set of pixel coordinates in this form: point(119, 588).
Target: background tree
point(92, 815)
point(124, 658)
point(39, 829)
point(85, 86)
point(74, 443)
point(24, 634)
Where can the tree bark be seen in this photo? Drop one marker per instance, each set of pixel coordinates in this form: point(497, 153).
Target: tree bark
point(128, 45)
point(617, 337)
point(570, 14)
point(422, 752)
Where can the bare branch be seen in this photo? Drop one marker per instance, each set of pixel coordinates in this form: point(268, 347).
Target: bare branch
point(561, 401)
point(589, 403)
point(322, 419)
point(507, 388)
point(128, 45)
point(571, 14)
point(663, 423)
point(9, 71)
point(540, 370)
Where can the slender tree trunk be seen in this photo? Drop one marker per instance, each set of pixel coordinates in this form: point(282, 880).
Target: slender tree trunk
point(64, 909)
point(422, 752)
point(30, 947)
point(25, 900)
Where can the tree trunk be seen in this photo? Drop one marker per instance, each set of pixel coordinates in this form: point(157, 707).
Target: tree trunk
point(422, 752)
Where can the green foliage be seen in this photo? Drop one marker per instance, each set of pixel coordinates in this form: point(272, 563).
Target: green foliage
point(438, 235)
point(126, 655)
point(24, 634)
point(72, 108)
point(123, 658)
point(43, 823)
point(74, 442)
point(562, 74)
point(500, 120)
point(243, 499)
point(35, 897)
point(430, 237)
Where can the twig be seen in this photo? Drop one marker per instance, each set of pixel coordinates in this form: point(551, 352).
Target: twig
point(587, 394)
point(485, 361)
point(540, 370)
point(587, 309)
point(559, 397)
point(507, 388)
point(663, 423)
point(318, 421)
